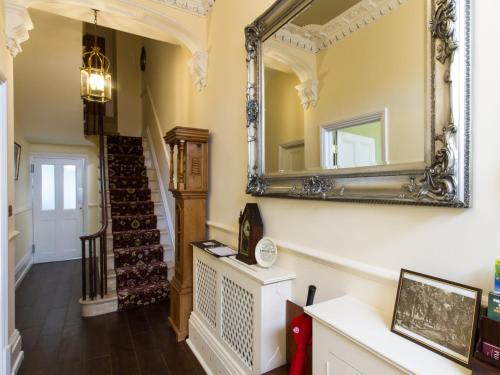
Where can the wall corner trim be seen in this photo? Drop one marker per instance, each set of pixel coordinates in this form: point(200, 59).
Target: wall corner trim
point(13, 234)
point(23, 267)
point(20, 210)
point(16, 354)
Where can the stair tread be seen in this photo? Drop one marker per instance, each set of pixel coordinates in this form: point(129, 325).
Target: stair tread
point(162, 231)
point(143, 295)
point(138, 288)
point(139, 216)
point(136, 202)
point(131, 178)
point(125, 155)
point(142, 265)
point(138, 231)
point(129, 189)
point(128, 178)
point(158, 217)
point(136, 248)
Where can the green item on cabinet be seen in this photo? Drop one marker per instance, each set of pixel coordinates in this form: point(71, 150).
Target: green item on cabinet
point(494, 305)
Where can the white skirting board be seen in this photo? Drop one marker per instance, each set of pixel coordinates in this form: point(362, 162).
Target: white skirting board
point(16, 354)
point(23, 267)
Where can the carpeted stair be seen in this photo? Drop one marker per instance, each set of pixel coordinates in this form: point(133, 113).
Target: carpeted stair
point(141, 273)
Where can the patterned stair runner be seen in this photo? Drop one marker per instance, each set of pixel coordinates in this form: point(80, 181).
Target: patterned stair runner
point(141, 273)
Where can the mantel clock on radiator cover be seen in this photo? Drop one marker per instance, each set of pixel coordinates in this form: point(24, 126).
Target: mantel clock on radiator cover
point(190, 193)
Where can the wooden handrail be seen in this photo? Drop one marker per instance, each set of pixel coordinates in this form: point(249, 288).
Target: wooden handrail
point(100, 235)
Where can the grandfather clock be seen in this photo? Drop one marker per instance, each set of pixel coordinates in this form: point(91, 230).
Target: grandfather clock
point(190, 193)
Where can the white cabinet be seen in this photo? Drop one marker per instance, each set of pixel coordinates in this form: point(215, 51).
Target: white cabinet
point(238, 323)
point(352, 338)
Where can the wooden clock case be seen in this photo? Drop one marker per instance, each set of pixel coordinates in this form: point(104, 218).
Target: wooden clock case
point(247, 243)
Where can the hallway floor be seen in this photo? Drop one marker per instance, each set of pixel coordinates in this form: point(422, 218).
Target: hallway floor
point(56, 340)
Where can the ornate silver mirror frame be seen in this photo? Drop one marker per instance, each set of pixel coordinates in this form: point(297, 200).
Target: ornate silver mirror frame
point(447, 178)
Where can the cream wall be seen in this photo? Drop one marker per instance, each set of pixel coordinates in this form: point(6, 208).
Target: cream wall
point(455, 244)
point(47, 79)
point(169, 82)
point(372, 69)
point(284, 114)
point(128, 51)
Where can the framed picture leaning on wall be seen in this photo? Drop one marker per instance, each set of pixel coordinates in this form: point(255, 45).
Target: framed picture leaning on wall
point(17, 160)
point(438, 314)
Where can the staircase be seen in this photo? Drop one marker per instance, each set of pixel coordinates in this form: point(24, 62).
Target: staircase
point(137, 236)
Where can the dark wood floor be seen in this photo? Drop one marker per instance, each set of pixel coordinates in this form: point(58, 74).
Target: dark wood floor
point(56, 340)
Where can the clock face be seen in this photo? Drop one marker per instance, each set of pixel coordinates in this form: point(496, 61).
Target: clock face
point(245, 237)
point(246, 228)
point(266, 252)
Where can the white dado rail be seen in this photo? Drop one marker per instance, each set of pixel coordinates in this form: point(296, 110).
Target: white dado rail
point(238, 323)
point(319, 256)
point(323, 257)
point(352, 338)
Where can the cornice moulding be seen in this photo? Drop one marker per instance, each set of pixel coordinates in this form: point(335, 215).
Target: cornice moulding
point(315, 38)
point(200, 7)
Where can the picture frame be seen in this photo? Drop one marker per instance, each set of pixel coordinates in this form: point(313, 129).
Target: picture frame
point(438, 314)
point(17, 160)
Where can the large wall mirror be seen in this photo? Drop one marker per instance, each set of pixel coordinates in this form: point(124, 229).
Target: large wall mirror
point(360, 100)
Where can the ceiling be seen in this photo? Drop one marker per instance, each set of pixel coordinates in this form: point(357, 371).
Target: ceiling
point(322, 11)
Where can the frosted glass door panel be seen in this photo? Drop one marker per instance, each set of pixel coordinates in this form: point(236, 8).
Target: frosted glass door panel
point(69, 187)
point(48, 187)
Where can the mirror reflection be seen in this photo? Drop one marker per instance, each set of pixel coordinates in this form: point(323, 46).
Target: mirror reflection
point(345, 86)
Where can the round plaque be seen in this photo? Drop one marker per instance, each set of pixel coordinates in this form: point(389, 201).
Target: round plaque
point(266, 252)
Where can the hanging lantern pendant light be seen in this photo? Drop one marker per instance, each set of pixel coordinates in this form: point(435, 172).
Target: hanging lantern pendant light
point(95, 79)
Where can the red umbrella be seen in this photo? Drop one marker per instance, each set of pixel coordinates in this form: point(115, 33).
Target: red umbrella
point(302, 335)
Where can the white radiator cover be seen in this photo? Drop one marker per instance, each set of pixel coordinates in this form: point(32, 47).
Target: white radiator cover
point(239, 315)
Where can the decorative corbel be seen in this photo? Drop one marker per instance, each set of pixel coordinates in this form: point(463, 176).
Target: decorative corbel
point(198, 66)
point(17, 26)
point(308, 93)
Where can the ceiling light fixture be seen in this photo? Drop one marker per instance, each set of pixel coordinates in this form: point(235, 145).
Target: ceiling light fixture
point(95, 79)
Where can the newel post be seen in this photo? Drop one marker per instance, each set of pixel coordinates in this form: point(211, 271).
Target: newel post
point(190, 195)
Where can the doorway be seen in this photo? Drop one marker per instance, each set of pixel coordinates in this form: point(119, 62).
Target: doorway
point(291, 156)
point(58, 200)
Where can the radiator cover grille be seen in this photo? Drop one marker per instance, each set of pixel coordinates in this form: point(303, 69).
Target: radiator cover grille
point(206, 292)
point(237, 319)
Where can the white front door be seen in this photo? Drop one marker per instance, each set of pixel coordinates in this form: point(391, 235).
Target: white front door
point(57, 208)
point(355, 150)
